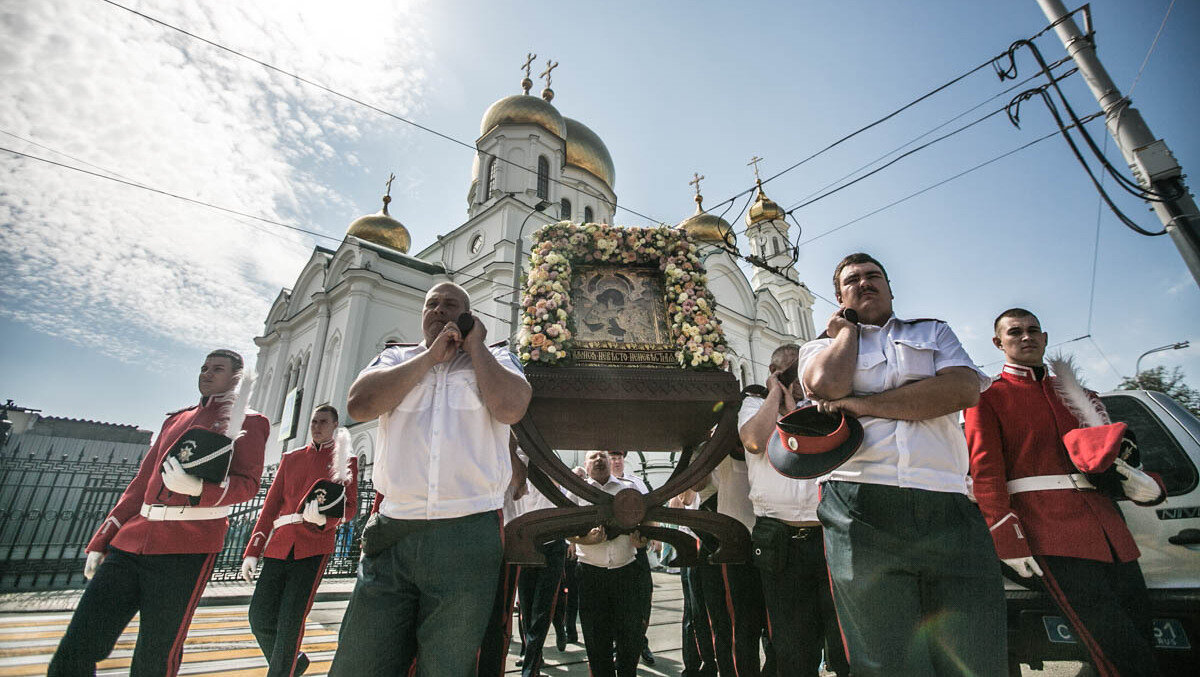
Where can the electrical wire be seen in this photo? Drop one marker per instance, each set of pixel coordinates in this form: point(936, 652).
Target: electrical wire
point(1127, 184)
point(932, 186)
point(357, 101)
point(884, 166)
point(167, 193)
point(1150, 51)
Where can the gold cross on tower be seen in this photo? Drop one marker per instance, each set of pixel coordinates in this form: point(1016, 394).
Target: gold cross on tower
point(550, 65)
point(391, 178)
point(754, 161)
point(696, 179)
point(528, 60)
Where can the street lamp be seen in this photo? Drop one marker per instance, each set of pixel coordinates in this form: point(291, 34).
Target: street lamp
point(516, 273)
point(1137, 369)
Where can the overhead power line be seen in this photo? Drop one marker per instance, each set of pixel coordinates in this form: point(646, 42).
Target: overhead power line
point(357, 101)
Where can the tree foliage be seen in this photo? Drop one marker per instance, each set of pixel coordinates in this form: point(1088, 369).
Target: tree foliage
point(1170, 383)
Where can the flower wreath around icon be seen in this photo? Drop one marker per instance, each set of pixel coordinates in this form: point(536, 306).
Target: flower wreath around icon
point(546, 335)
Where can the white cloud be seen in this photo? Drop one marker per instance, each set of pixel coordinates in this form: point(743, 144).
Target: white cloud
point(124, 270)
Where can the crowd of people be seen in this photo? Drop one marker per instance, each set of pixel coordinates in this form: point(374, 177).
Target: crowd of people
point(878, 530)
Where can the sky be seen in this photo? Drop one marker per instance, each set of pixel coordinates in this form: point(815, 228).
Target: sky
point(111, 295)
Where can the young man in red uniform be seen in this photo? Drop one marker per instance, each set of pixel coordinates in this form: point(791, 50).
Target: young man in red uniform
point(155, 550)
point(299, 547)
point(1045, 518)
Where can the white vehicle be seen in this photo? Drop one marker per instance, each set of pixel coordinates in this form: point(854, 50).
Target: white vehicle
point(1168, 536)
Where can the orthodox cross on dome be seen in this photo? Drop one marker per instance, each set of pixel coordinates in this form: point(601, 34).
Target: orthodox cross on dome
point(754, 161)
point(526, 83)
point(696, 179)
point(547, 93)
point(550, 65)
point(387, 197)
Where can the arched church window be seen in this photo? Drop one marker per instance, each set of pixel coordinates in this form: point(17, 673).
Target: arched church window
point(564, 210)
point(775, 243)
point(491, 178)
point(745, 376)
point(543, 177)
point(588, 215)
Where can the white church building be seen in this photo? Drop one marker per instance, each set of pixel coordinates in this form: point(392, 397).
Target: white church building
point(347, 303)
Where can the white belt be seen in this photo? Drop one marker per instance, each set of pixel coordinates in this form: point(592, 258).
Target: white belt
point(288, 519)
point(173, 513)
point(1075, 481)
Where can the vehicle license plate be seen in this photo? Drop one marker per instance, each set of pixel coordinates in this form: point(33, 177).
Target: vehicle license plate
point(1168, 632)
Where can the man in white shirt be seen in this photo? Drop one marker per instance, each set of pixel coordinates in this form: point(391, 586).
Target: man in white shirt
point(606, 572)
point(432, 555)
point(788, 547)
point(645, 581)
point(915, 577)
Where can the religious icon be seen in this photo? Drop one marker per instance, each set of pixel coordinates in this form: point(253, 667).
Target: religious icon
point(619, 305)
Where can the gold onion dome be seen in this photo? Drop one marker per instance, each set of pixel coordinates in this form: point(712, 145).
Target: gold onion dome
point(586, 151)
point(524, 109)
point(381, 229)
point(764, 209)
point(707, 227)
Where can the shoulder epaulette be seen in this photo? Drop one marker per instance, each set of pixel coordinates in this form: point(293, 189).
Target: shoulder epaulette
point(180, 411)
point(922, 319)
point(398, 345)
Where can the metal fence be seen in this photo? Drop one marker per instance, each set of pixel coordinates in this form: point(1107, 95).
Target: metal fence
point(51, 506)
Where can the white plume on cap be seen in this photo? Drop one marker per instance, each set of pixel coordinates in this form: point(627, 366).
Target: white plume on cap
point(340, 472)
point(1074, 396)
point(241, 399)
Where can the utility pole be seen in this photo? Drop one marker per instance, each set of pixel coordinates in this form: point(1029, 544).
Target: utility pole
point(1152, 163)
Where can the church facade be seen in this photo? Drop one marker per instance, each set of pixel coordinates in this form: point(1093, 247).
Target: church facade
point(532, 166)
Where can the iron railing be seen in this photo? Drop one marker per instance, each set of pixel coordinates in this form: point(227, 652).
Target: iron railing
point(51, 505)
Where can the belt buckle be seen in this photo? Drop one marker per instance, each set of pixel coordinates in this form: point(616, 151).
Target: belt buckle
point(161, 507)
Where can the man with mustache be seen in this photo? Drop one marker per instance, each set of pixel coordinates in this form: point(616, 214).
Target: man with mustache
point(915, 579)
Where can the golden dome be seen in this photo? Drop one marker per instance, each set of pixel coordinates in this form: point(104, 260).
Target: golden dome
point(707, 227)
point(764, 209)
point(381, 229)
point(523, 109)
point(586, 151)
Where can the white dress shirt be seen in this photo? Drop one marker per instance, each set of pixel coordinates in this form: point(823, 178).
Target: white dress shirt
point(930, 454)
point(611, 554)
point(773, 494)
point(441, 453)
point(733, 491)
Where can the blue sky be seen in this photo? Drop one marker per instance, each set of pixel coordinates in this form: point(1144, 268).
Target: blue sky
point(112, 295)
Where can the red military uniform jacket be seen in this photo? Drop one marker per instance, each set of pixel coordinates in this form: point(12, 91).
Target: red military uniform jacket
point(298, 469)
point(1016, 431)
point(127, 530)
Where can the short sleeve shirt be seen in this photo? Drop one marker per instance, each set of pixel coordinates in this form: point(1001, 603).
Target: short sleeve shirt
point(773, 494)
point(930, 454)
point(614, 553)
point(441, 453)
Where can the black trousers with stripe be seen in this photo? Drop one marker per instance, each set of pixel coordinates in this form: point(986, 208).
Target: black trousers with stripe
point(916, 581)
point(281, 602)
point(537, 588)
point(164, 589)
point(1108, 606)
point(733, 596)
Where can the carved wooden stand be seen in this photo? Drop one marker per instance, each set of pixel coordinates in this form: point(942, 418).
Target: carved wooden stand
point(627, 409)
